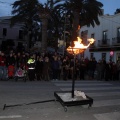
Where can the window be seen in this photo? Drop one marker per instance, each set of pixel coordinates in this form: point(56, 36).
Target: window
point(20, 34)
point(4, 31)
point(118, 35)
point(104, 35)
point(104, 41)
point(92, 35)
point(118, 56)
point(91, 55)
point(118, 32)
point(103, 56)
point(84, 36)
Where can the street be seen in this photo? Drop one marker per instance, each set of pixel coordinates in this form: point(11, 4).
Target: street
point(23, 99)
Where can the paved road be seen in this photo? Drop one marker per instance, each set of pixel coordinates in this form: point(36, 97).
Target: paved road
point(106, 97)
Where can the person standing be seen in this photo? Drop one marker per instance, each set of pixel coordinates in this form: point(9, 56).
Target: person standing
point(55, 67)
point(10, 60)
point(91, 68)
point(3, 66)
point(99, 70)
point(60, 67)
point(31, 68)
point(18, 60)
point(114, 71)
point(118, 70)
point(46, 68)
point(66, 67)
point(39, 68)
point(82, 69)
point(107, 71)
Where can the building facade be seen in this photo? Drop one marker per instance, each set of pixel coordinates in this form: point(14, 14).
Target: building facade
point(107, 38)
point(14, 33)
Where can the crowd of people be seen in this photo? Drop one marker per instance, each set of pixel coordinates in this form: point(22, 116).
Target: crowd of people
point(53, 66)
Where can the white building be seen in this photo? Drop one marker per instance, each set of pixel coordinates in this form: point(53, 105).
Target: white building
point(14, 33)
point(107, 38)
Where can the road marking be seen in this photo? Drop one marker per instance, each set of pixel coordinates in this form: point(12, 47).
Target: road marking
point(104, 103)
point(90, 88)
point(11, 116)
point(82, 84)
point(108, 116)
point(103, 94)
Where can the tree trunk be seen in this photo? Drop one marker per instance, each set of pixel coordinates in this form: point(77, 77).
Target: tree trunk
point(44, 34)
point(75, 26)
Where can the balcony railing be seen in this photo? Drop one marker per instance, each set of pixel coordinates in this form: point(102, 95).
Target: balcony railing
point(104, 43)
point(116, 41)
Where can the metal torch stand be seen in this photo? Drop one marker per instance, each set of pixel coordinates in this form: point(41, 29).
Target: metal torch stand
point(72, 102)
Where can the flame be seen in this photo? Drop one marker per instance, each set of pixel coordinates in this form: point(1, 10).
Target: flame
point(91, 40)
point(79, 46)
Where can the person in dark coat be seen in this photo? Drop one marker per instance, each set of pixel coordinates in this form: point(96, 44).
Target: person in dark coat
point(46, 68)
point(55, 67)
point(72, 69)
point(66, 67)
point(107, 71)
point(99, 69)
point(18, 60)
point(82, 69)
point(39, 68)
point(91, 68)
point(10, 60)
point(60, 68)
point(23, 60)
point(114, 71)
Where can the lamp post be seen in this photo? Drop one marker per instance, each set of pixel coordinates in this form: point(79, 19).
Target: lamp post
point(78, 49)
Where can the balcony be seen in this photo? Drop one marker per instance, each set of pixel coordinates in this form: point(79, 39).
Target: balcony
point(116, 41)
point(104, 43)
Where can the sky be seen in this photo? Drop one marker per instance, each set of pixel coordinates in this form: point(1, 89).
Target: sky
point(109, 6)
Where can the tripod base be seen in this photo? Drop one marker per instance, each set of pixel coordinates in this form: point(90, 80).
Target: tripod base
point(64, 97)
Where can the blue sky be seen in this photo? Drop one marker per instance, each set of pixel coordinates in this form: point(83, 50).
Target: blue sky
point(109, 7)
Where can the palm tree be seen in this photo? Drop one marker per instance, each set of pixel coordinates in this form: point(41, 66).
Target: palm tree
point(55, 24)
point(28, 12)
point(50, 18)
point(117, 11)
point(82, 12)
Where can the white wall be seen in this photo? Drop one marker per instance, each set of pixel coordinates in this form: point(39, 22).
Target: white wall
point(108, 23)
point(12, 32)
